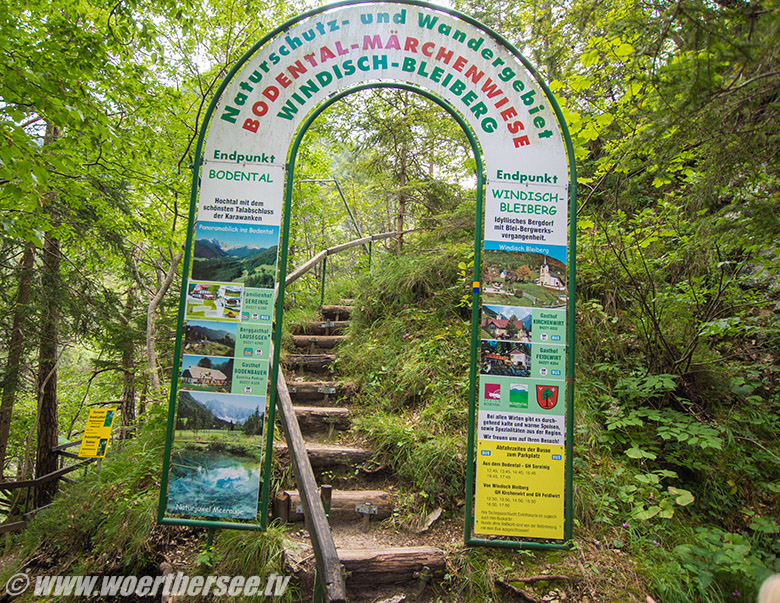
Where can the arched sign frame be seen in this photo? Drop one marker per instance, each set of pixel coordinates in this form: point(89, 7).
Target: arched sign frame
point(289, 168)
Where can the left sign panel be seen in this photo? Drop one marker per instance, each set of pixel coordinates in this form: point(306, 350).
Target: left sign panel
point(221, 382)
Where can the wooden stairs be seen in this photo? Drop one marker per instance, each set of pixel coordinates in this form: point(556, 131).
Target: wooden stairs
point(321, 405)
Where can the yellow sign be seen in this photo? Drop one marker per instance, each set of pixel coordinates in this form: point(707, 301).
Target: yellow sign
point(519, 490)
point(97, 433)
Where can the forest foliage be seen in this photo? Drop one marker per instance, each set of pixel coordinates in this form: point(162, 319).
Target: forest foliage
point(673, 110)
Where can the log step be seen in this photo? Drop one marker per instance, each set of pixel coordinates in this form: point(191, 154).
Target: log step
point(316, 341)
point(310, 363)
point(320, 327)
point(402, 565)
point(336, 312)
point(345, 505)
point(318, 418)
point(323, 456)
point(319, 391)
point(345, 301)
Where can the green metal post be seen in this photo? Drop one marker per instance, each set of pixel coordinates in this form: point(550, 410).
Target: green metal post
point(370, 249)
point(474, 356)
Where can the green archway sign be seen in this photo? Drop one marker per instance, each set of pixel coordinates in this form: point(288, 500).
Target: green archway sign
point(520, 419)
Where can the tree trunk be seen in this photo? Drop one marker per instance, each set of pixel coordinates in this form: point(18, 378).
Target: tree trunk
point(128, 365)
point(45, 459)
point(151, 350)
point(15, 349)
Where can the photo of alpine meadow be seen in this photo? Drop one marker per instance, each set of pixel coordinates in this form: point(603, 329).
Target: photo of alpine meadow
point(235, 253)
point(508, 323)
point(206, 373)
point(210, 338)
point(523, 279)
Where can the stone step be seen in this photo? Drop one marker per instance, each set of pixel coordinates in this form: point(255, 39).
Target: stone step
point(320, 327)
point(336, 312)
point(345, 505)
point(322, 418)
point(323, 456)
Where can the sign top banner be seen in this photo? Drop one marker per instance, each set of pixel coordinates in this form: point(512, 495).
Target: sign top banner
point(343, 46)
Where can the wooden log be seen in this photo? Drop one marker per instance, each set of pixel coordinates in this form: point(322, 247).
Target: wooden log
point(345, 505)
point(369, 567)
point(282, 504)
point(318, 418)
point(311, 342)
point(336, 312)
point(324, 391)
point(323, 456)
point(321, 327)
point(313, 363)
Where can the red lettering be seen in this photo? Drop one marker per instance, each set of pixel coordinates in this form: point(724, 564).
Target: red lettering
point(325, 54)
point(271, 93)
point(259, 108)
point(459, 63)
point(521, 141)
point(507, 114)
point(515, 127)
point(444, 55)
point(296, 70)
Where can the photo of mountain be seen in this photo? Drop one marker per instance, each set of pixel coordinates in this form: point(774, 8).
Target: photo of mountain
point(200, 411)
point(209, 338)
point(235, 253)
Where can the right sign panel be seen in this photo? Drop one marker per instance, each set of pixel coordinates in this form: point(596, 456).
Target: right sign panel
point(521, 392)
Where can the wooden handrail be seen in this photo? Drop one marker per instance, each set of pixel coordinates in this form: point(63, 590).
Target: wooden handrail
point(44, 479)
point(325, 554)
point(304, 268)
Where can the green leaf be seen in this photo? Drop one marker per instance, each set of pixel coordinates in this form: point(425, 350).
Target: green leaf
point(637, 453)
point(682, 497)
point(644, 514)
